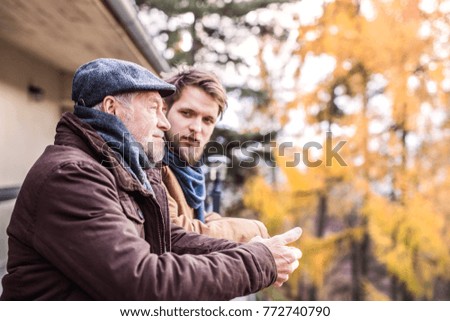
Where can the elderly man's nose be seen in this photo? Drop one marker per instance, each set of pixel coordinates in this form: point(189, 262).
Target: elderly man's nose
point(163, 122)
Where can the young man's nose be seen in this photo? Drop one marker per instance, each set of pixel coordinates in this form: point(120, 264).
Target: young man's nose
point(196, 125)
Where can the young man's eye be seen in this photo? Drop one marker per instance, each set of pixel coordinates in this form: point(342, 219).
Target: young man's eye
point(209, 121)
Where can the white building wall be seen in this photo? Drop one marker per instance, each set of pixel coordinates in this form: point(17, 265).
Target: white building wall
point(27, 125)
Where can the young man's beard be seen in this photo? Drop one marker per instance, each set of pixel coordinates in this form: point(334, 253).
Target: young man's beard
point(188, 149)
point(190, 154)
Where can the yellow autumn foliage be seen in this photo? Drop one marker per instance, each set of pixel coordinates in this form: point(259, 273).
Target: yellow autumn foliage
point(320, 253)
point(409, 240)
point(372, 293)
point(396, 186)
point(272, 206)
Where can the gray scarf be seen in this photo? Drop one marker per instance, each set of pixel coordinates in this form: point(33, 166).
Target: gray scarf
point(129, 152)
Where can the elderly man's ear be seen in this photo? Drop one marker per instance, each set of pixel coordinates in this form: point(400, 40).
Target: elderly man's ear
point(110, 105)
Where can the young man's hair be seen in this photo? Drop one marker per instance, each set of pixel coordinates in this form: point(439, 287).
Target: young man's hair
point(205, 80)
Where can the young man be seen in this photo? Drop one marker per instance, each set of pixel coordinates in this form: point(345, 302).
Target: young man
point(91, 220)
point(193, 111)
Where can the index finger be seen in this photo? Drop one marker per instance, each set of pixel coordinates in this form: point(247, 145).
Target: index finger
point(290, 236)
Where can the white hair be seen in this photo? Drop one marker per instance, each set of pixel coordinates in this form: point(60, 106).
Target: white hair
point(124, 98)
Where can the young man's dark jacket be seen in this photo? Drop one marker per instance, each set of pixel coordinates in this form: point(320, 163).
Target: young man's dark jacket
point(84, 228)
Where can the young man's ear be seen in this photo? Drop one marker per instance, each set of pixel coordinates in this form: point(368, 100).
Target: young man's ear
point(109, 105)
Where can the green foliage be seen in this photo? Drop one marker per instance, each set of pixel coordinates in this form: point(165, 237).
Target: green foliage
point(202, 8)
point(211, 24)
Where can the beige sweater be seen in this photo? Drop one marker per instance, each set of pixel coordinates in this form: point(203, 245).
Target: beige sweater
point(230, 228)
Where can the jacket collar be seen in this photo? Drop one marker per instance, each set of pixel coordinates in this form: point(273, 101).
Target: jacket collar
point(71, 131)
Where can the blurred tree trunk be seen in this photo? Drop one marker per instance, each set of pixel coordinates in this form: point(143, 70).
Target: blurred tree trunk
point(322, 214)
point(321, 220)
point(394, 288)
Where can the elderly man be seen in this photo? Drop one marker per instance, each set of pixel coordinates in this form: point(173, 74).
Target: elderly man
point(91, 220)
point(193, 111)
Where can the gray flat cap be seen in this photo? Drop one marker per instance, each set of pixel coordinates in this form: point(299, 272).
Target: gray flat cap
point(99, 78)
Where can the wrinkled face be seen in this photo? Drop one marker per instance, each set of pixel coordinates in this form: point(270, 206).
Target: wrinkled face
point(146, 121)
point(192, 118)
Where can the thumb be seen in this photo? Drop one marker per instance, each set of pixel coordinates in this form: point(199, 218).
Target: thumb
point(289, 236)
point(256, 238)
